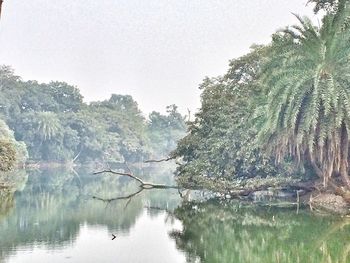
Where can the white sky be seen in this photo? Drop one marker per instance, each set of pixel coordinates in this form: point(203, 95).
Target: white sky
point(158, 51)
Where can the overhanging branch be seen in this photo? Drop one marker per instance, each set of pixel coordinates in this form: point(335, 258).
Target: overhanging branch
point(143, 184)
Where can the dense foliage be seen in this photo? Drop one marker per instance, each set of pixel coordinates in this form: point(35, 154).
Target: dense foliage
point(220, 142)
point(165, 130)
point(287, 101)
point(7, 156)
point(327, 5)
point(12, 152)
point(307, 109)
point(57, 126)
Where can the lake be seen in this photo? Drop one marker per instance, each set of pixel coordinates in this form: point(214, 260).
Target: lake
point(53, 217)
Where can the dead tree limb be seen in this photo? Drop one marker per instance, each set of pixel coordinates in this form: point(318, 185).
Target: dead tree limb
point(189, 115)
point(161, 160)
point(123, 174)
point(129, 197)
point(143, 184)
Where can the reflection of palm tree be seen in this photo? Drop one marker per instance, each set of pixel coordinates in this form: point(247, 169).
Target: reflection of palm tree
point(48, 125)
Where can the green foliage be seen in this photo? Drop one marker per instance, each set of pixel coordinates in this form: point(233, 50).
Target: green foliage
point(165, 131)
point(220, 140)
point(306, 79)
point(328, 5)
point(7, 156)
point(289, 100)
point(12, 152)
point(57, 126)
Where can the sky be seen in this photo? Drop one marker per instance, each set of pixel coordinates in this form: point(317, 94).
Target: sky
point(158, 51)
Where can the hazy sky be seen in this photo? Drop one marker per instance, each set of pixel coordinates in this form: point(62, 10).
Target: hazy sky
point(158, 51)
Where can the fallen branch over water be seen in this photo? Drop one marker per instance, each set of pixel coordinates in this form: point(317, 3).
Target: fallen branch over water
point(143, 184)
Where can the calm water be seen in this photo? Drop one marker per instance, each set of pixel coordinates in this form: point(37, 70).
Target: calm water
point(52, 217)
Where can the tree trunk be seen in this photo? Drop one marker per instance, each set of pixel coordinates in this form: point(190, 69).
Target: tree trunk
point(344, 157)
point(329, 171)
point(1, 1)
point(317, 169)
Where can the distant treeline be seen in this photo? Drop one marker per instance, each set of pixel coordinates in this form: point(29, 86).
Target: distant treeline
point(57, 126)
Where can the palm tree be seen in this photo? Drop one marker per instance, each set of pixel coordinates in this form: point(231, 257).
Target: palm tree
point(48, 125)
point(307, 114)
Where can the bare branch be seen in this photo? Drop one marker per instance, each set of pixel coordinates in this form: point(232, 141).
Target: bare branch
point(127, 203)
point(143, 184)
point(189, 115)
point(127, 166)
point(161, 160)
point(123, 174)
point(120, 198)
point(77, 156)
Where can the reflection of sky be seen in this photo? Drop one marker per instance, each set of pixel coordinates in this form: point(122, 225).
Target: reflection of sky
point(147, 241)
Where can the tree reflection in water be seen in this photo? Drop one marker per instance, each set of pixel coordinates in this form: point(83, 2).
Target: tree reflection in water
point(214, 232)
point(54, 204)
point(50, 207)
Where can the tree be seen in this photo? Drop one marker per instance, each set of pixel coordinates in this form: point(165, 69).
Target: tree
point(164, 131)
point(124, 121)
point(67, 97)
point(11, 92)
point(307, 114)
point(220, 141)
point(7, 155)
point(12, 152)
point(43, 134)
point(58, 126)
point(48, 125)
point(93, 141)
point(328, 5)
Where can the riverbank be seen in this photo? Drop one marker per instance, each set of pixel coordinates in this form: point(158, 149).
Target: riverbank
point(269, 191)
point(279, 191)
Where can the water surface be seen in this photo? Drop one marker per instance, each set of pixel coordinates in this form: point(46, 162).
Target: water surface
point(52, 217)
